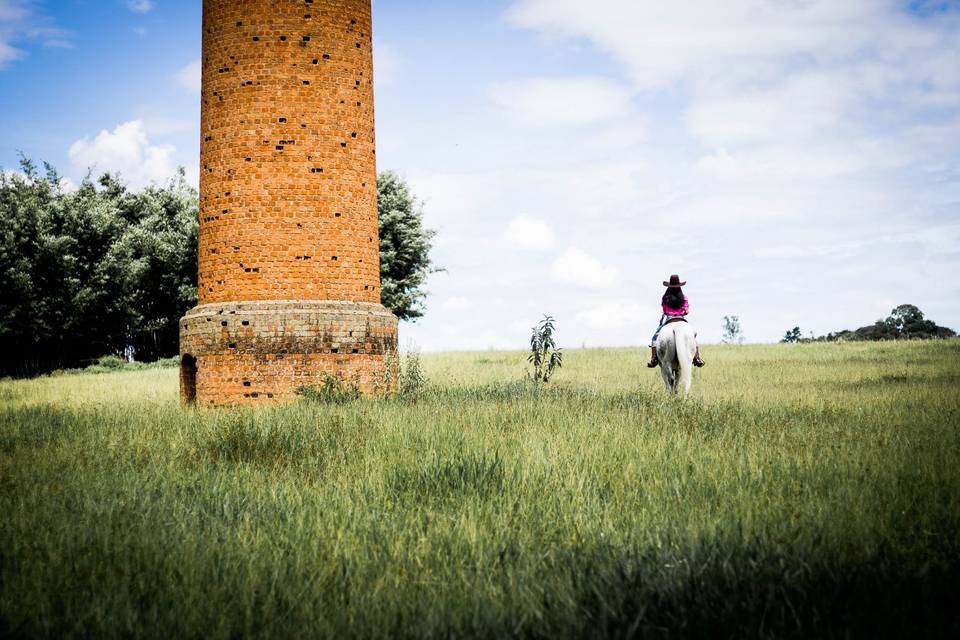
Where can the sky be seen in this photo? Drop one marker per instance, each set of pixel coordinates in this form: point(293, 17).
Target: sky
point(797, 162)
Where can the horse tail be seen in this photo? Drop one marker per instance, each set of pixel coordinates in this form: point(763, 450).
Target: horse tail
point(686, 347)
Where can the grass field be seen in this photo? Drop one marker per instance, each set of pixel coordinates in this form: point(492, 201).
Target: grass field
point(803, 491)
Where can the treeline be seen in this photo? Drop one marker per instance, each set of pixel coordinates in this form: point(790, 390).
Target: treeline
point(905, 322)
point(95, 271)
point(103, 270)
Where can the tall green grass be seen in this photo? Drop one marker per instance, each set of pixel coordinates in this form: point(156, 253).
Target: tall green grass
point(807, 490)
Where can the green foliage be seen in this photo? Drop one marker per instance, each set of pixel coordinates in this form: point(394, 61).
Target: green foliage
point(793, 335)
point(332, 390)
point(404, 247)
point(732, 332)
point(412, 381)
point(98, 270)
point(106, 270)
point(905, 322)
point(544, 354)
point(801, 493)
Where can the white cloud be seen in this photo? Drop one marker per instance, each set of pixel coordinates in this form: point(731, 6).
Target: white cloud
point(456, 304)
point(21, 22)
point(529, 233)
point(613, 315)
point(127, 151)
point(140, 6)
point(562, 101)
point(574, 266)
point(189, 76)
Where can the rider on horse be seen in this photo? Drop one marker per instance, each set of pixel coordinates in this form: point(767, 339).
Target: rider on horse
point(675, 308)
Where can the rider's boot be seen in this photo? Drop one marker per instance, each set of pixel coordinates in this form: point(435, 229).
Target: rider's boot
point(654, 361)
point(697, 360)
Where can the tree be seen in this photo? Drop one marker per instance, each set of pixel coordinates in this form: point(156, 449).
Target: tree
point(793, 335)
point(102, 270)
point(404, 247)
point(94, 271)
point(905, 322)
point(732, 333)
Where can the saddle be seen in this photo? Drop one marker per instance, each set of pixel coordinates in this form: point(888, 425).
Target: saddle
point(674, 319)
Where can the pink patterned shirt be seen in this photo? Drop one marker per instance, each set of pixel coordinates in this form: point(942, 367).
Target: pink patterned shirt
point(682, 311)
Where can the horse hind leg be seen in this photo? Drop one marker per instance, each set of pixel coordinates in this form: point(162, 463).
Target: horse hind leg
point(666, 372)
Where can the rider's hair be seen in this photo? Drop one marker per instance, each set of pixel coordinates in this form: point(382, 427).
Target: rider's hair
point(673, 298)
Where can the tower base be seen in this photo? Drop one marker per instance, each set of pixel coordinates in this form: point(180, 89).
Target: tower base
point(260, 352)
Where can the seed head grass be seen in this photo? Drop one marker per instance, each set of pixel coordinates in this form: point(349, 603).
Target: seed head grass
point(802, 490)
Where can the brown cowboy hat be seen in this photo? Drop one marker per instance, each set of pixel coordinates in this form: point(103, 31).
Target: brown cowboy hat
point(674, 282)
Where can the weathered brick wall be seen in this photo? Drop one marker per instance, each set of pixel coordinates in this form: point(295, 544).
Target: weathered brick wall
point(288, 173)
point(250, 352)
point(289, 269)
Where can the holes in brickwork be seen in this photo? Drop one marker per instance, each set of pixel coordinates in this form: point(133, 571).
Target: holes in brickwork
point(307, 16)
point(288, 142)
point(315, 61)
point(270, 395)
point(208, 139)
point(281, 120)
point(316, 170)
point(232, 345)
point(334, 258)
point(223, 323)
point(246, 383)
point(358, 45)
point(256, 38)
point(248, 158)
point(248, 83)
point(283, 38)
point(306, 82)
point(356, 351)
point(306, 38)
point(353, 22)
point(255, 395)
point(279, 147)
point(343, 144)
point(353, 135)
point(245, 323)
point(239, 24)
point(337, 214)
point(334, 350)
point(326, 56)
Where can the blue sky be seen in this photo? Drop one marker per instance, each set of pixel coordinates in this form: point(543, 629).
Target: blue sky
point(797, 162)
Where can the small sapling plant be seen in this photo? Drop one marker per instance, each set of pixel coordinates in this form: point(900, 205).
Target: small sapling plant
point(545, 357)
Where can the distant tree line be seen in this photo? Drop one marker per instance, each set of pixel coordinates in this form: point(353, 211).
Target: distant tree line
point(104, 270)
point(906, 322)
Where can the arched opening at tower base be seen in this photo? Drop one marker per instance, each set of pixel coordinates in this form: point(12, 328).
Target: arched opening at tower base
point(188, 379)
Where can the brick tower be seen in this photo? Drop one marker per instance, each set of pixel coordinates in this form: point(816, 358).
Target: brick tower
point(289, 268)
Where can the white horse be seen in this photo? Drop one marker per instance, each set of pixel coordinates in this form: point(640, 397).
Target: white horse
point(676, 346)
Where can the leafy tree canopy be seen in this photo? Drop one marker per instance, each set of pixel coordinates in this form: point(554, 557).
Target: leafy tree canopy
point(905, 322)
point(404, 247)
point(104, 270)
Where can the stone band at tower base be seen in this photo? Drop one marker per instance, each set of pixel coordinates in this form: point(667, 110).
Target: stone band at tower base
point(260, 352)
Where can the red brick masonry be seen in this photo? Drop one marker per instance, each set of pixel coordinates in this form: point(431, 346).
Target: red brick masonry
point(288, 202)
point(251, 352)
